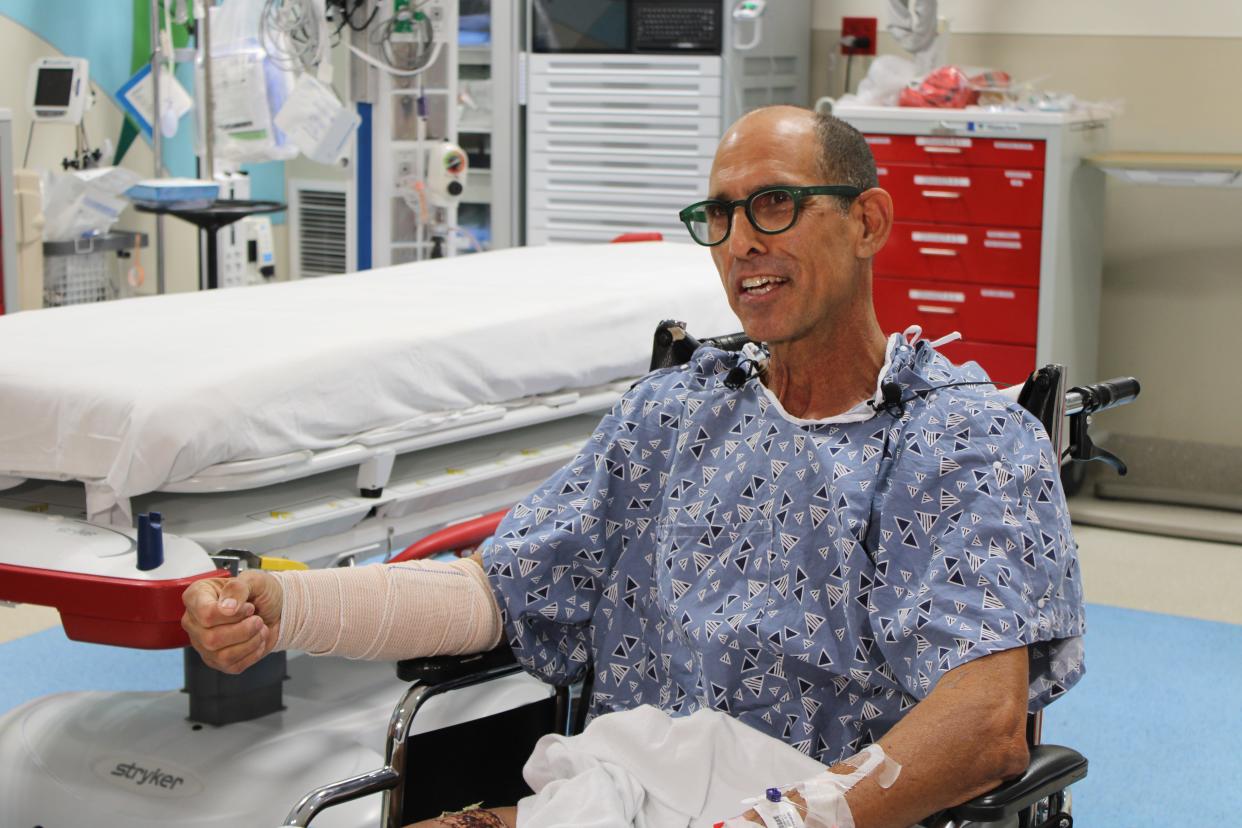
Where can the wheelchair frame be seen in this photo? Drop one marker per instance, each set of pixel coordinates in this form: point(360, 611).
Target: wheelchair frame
point(1038, 798)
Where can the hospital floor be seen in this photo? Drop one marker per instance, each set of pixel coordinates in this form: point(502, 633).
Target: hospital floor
point(1158, 714)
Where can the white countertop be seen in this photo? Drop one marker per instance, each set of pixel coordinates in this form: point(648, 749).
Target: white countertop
point(972, 115)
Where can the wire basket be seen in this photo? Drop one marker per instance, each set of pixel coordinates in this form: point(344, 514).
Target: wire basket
point(74, 280)
point(85, 270)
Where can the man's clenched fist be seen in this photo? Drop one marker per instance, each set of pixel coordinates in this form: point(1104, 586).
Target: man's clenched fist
point(233, 622)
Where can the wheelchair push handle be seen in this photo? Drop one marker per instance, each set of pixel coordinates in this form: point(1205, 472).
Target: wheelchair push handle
point(673, 345)
point(1100, 396)
point(1083, 401)
point(728, 342)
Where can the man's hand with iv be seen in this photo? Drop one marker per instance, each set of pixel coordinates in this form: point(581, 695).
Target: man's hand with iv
point(963, 740)
point(233, 622)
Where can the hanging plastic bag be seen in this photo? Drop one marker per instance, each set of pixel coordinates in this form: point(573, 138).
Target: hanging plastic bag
point(84, 203)
point(247, 87)
point(316, 122)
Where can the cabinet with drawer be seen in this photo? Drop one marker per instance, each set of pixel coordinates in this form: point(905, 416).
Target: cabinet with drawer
point(618, 143)
point(967, 195)
point(996, 234)
point(979, 313)
point(957, 151)
point(962, 253)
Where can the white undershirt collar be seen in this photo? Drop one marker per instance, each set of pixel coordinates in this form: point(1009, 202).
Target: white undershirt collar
point(864, 409)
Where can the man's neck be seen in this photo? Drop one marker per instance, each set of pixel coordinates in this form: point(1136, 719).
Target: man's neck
point(828, 375)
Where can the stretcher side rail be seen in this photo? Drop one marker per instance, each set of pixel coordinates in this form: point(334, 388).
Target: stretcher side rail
point(457, 426)
point(373, 453)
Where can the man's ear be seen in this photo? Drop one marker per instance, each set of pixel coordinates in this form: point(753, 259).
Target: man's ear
point(875, 209)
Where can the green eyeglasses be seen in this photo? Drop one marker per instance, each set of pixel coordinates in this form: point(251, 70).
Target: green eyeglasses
point(770, 210)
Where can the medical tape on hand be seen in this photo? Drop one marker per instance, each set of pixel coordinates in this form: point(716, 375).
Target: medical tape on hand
point(780, 814)
point(825, 794)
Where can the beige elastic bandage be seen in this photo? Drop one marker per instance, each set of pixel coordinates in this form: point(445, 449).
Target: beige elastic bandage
point(388, 612)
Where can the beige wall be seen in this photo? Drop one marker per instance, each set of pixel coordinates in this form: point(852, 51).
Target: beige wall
point(1173, 256)
point(1110, 18)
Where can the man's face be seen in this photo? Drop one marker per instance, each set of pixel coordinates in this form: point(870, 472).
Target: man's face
point(788, 286)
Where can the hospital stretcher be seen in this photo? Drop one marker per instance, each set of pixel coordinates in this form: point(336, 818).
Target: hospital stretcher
point(320, 423)
point(474, 406)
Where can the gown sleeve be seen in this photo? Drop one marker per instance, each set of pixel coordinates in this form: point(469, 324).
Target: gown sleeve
point(975, 553)
point(560, 547)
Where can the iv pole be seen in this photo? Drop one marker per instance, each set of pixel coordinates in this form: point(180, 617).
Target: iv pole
point(203, 42)
point(208, 120)
point(157, 144)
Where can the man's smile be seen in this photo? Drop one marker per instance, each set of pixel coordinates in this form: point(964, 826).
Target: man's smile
point(751, 288)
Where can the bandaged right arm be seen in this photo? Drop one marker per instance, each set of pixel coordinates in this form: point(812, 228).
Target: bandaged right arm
point(389, 612)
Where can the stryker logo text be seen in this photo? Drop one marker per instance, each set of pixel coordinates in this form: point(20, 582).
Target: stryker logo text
point(141, 776)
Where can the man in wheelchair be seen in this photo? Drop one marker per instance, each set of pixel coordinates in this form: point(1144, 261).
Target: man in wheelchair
point(839, 539)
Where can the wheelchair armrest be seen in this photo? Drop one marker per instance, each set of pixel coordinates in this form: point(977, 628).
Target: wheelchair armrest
point(336, 793)
point(1052, 768)
point(440, 669)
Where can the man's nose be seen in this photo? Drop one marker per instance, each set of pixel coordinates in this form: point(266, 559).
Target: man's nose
point(744, 240)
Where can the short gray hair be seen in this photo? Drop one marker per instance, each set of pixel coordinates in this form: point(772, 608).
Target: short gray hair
point(843, 154)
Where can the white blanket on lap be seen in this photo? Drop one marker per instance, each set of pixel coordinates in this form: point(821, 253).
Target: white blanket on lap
point(645, 769)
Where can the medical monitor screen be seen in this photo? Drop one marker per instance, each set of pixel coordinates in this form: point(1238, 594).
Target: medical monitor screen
point(581, 26)
point(54, 87)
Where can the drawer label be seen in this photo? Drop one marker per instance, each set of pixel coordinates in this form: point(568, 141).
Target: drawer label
point(994, 126)
point(929, 141)
point(879, 139)
point(941, 181)
point(993, 293)
point(942, 238)
point(1026, 175)
point(1025, 146)
point(881, 170)
point(1002, 245)
point(938, 295)
point(1004, 234)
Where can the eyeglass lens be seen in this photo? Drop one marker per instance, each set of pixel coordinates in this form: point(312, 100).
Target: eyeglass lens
point(771, 210)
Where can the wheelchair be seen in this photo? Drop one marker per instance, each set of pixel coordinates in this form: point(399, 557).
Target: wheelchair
point(1038, 798)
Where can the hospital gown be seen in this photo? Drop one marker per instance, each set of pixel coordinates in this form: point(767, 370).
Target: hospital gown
point(814, 579)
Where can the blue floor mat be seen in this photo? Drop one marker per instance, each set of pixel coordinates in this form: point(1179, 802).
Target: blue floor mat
point(1158, 714)
point(48, 662)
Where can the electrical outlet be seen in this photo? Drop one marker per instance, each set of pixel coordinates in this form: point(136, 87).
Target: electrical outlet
point(863, 32)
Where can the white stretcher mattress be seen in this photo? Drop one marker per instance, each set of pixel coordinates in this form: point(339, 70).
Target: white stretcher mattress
point(139, 393)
